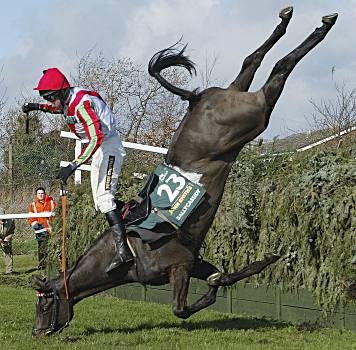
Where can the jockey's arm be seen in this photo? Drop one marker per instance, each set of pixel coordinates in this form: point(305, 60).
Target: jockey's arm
point(91, 123)
point(28, 107)
point(48, 108)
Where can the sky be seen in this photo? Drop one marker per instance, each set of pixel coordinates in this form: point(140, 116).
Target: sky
point(39, 34)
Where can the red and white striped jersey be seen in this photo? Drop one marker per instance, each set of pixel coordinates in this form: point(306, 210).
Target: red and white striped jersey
point(88, 117)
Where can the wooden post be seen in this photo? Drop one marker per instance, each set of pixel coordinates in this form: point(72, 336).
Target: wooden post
point(11, 179)
point(278, 300)
point(229, 299)
point(143, 292)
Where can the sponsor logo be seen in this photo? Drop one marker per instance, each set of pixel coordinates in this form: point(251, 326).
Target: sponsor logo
point(162, 176)
point(181, 199)
point(109, 172)
point(188, 204)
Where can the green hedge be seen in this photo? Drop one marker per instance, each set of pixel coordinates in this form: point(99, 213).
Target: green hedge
point(301, 206)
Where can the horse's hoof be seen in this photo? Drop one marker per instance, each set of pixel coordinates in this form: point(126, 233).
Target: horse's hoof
point(330, 19)
point(214, 279)
point(286, 13)
point(271, 258)
point(182, 314)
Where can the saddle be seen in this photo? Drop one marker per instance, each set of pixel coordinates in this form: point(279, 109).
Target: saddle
point(137, 210)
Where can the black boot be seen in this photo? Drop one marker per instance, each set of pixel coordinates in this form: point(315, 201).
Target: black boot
point(123, 252)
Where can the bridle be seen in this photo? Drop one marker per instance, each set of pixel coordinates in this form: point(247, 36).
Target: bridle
point(53, 327)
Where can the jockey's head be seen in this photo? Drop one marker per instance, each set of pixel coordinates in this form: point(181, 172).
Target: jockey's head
point(54, 87)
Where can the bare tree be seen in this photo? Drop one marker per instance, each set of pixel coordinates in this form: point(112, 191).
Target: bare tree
point(2, 106)
point(206, 73)
point(334, 116)
point(146, 112)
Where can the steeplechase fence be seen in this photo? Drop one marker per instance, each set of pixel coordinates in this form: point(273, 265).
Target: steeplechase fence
point(244, 299)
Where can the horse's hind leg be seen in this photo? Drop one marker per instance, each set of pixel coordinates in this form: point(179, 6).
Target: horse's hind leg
point(227, 279)
point(253, 61)
point(275, 83)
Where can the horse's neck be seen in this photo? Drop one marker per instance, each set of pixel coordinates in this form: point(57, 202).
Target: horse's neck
point(88, 276)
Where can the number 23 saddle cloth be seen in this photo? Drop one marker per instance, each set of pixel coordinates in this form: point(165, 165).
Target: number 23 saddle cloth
point(172, 200)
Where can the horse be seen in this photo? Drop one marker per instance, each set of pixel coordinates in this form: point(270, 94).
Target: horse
point(217, 124)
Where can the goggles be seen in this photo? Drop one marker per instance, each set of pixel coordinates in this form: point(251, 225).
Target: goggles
point(50, 96)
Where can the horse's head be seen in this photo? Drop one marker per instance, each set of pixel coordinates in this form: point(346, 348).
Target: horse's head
point(53, 311)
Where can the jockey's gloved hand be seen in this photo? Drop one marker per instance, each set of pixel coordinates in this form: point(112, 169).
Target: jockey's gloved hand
point(28, 107)
point(65, 172)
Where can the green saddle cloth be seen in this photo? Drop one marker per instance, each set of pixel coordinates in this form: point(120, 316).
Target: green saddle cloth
point(173, 200)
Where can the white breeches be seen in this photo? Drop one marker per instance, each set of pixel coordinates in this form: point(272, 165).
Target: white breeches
point(105, 171)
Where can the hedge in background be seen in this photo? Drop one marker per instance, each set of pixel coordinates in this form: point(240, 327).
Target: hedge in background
point(301, 206)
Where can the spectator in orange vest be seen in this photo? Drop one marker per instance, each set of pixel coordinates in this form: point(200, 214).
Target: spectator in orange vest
point(41, 226)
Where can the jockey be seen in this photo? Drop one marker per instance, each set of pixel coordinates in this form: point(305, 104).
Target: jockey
point(89, 118)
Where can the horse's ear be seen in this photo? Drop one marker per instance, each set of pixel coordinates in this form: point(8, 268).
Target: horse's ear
point(39, 283)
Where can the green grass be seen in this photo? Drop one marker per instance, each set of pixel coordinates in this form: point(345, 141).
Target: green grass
point(104, 322)
point(24, 267)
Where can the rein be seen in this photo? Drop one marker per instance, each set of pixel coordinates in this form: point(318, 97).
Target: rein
point(64, 237)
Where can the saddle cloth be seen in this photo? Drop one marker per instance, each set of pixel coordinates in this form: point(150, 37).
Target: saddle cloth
point(168, 199)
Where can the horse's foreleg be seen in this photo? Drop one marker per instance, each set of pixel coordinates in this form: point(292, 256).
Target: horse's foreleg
point(275, 83)
point(253, 61)
point(227, 279)
point(206, 300)
point(202, 270)
point(179, 280)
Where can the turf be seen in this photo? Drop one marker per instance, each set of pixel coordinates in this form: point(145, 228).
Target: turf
point(104, 322)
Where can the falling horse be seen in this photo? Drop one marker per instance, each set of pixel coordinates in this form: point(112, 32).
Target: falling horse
point(218, 123)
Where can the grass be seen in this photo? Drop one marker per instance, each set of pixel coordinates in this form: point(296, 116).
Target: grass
point(24, 267)
point(104, 322)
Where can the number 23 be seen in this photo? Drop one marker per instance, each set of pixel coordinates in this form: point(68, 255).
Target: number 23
point(165, 188)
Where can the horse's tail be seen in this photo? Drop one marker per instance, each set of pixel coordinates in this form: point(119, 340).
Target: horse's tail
point(168, 58)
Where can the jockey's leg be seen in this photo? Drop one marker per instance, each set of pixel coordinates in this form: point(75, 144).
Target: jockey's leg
point(106, 169)
point(123, 252)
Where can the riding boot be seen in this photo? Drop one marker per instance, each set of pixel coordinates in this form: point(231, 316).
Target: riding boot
point(123, 252)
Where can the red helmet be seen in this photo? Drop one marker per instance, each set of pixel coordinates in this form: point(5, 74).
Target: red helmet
point(52, 79)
